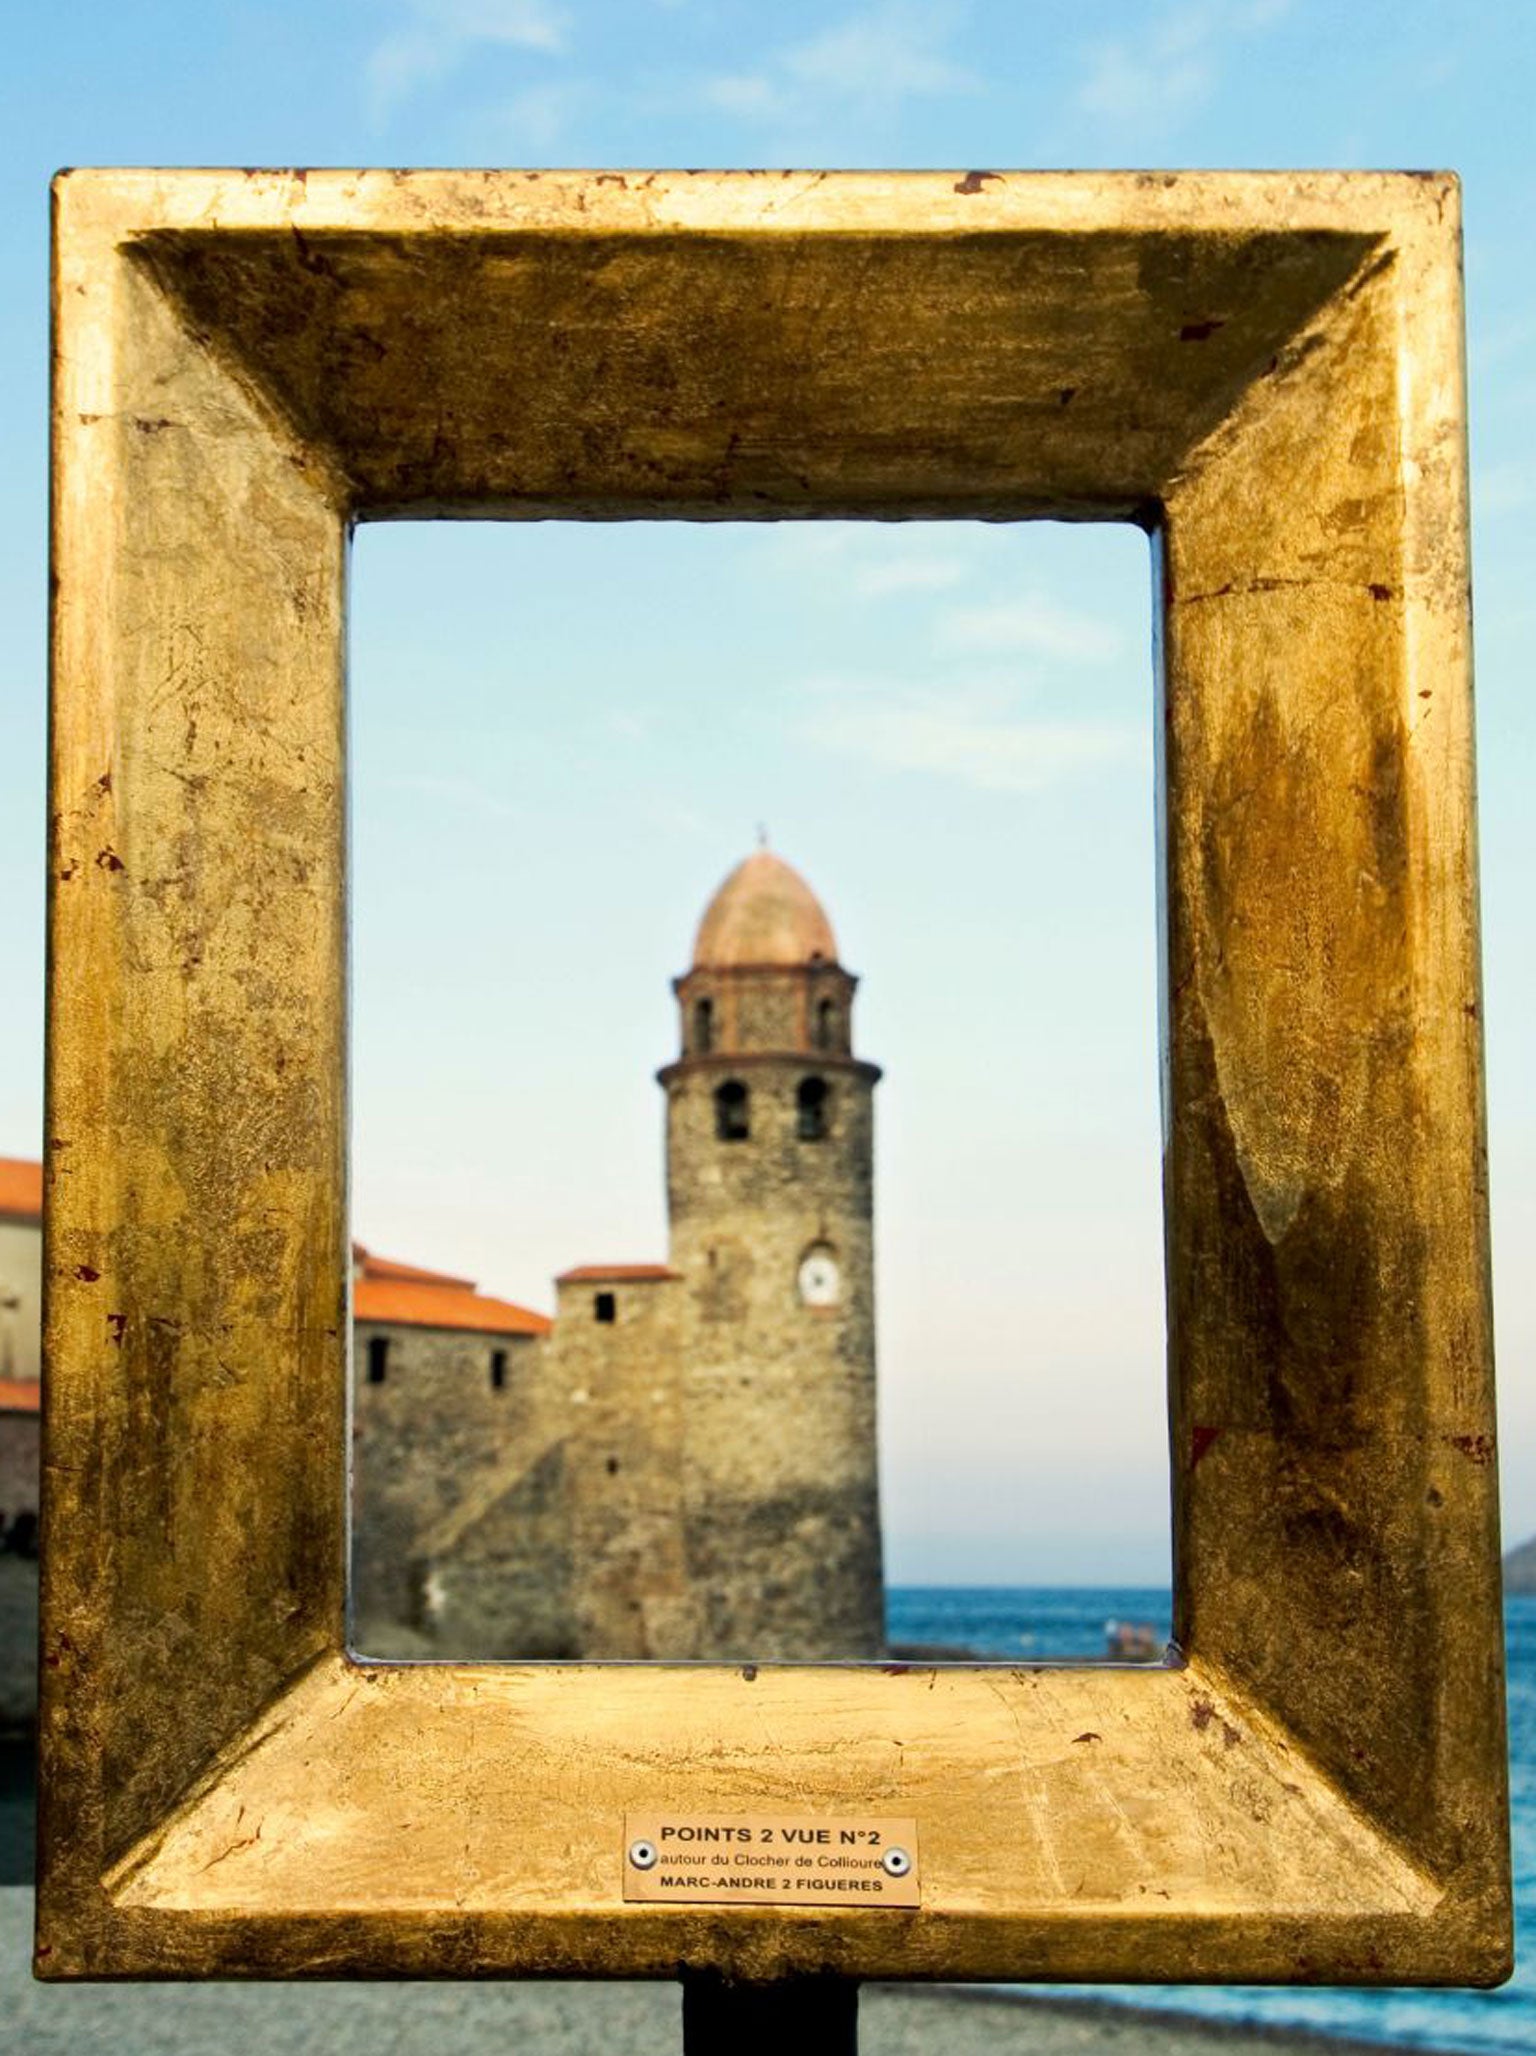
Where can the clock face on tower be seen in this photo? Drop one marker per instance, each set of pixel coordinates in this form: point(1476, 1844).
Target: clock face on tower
point(818, 1278)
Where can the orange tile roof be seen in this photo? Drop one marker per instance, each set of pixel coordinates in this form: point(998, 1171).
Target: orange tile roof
point(407, 1303)
point(384, 1290)
point(20, 1395)
point(371, 1266)
point(21, 1188)
point(615, 1274)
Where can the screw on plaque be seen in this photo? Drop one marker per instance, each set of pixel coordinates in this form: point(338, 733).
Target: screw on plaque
point(896, 1862)
point(642, 1855)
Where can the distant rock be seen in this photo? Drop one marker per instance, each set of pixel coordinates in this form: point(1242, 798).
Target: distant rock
point(1520, 1570)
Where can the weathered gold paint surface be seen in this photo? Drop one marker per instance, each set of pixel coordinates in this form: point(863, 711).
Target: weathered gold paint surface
point(1264, 370)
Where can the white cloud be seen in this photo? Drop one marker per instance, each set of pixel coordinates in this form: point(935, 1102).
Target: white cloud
point(436, 36)
point(454, 795)
point(675, 819)
point(890, 54)
point(1125, 85)
point(971, 735)
point(744, 93)
point(872, 63)
point(1150, 81)
point(869, 560)
point(1496, 342)
point(535, 118)
point(917, 574)
point(1502, 488)
point(1035, 624)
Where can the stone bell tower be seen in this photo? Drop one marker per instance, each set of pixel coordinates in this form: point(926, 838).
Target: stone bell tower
point(769, 1184)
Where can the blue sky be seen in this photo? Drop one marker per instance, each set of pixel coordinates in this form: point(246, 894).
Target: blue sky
point(565, 736)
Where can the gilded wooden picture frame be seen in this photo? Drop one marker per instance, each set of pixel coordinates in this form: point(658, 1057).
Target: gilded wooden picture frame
point(1264, 371)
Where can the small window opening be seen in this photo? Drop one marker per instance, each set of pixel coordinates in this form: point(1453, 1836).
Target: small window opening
point(703, 1025)
point(498, 1369)
point(811, 1110)
point(605, 1307)
point(826, 1023)
point(378, 1358)
point(732, 1121)
point(613, 1466)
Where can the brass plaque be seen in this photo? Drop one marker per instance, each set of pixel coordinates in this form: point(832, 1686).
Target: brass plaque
point(772, 1859)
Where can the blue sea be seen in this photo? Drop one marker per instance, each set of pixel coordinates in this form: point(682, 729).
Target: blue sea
point(1024, 1624)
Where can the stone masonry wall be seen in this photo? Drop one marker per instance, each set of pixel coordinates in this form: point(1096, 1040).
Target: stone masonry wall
point(422, 1441)
point(781, 1524)
point(624, 1461)
point(778, 1008)
point(20, 1466)
point(580, 1552)
point(495, 1583)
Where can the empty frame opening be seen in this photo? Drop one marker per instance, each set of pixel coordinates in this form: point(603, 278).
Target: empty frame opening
point(924, 751)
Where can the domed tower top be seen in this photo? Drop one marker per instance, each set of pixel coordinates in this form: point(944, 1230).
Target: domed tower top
point(765, 980)
point(770, 1201)
point(763, 914)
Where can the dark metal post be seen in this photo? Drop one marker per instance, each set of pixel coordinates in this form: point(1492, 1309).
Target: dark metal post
point(792, 2016)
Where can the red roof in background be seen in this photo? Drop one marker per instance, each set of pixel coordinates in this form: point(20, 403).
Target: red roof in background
point(370, 1266)
point(21, 1188)
point(410, 1297)
point(20, 1395)
point(406, 1304)
point(615, 1274)
point(383, 1290)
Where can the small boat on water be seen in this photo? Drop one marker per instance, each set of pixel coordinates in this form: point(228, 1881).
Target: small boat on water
point(1132, 1642)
